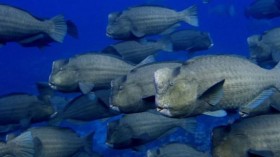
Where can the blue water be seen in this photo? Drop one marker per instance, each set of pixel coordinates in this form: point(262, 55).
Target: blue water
point(22, 67)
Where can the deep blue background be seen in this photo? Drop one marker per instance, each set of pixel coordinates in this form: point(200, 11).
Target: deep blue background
point(22, 67)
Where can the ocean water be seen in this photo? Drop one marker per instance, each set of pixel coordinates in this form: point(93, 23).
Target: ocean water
point(22, 67)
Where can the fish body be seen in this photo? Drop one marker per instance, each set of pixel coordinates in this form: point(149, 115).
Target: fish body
point(140, 128)
point(135, 91)
point(265, 46)
point(190, 40)
point(136, 51)
point(58, 142)
point(17, 25)
point(263, 9)
point(257, 136)
point(23, 109)
point(86, 72)
point(175, 150)
point(212, 83)
point(147, 20)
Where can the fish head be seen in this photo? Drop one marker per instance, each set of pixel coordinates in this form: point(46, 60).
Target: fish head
point(258, 50)
point(176, 94)
point(63, 77)
point(43, 111)
point(118, 135)
point(118, 28)
point(125, 95)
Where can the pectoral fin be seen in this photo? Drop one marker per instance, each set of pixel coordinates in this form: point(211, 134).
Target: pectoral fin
point(214, 94)
point(86, 87)
point(245, 110)
point(260, 153)
point(219, 113)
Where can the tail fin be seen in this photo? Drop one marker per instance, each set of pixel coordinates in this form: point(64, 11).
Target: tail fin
point(89, 143)
point(166, 44)
point(276, 70)
point(190, 15)
point(189, 125)
point(22, 146)
point(59, 29)
point(72, 29)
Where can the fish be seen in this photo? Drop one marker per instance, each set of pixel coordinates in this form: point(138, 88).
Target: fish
point(20, 146)
point(214, 83)
point(136, 129)
point(140, 21)
point(21, 109)
point(135, 92)
point(256, 136)
point(58, 142)
point(43, 40)
point(85, 107)
point(263, 9)
point(137, 50)
point(190, 40)
point(176, 150)
point(87, 72)
point(265, 46)
point(18, 25)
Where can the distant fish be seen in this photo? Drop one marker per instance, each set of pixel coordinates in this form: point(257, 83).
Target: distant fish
point(87, 72)
point(190, 40)
point(263, 9)
point(140, 128)
point(147, 20)
point(136, 51)
point(176, 150)
point(135, 92)
point(85, 108)
point(20, 146)
point(22, 109)
point(257, 136)
point(212, 83)
point(43, 40)
point(265, 46)
point(59, 142)
point(17, 25)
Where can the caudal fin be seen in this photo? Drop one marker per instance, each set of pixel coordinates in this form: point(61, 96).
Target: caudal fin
point(59, 29)
point(22, 146)
point(276, 71)
point(190, 15)
point(166, 44)
point(189, 125)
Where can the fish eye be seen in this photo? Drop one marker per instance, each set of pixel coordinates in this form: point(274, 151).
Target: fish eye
point(171, 83)
point(120, 87)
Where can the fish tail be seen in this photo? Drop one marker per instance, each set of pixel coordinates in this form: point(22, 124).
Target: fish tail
point(190, 15)
point(59, 28)
point(22, 146)
point(72, 29)
point(189, 125)
point(89, 143)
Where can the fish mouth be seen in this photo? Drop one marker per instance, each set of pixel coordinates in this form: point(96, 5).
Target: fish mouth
point(110, 145)
point(165, 111)
point(53, 86)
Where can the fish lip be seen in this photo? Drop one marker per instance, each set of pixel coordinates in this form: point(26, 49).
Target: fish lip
point(52, 85)
point(164, 110)
point(110, 145)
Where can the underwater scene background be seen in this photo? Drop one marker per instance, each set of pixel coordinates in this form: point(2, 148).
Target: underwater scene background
point(21, 68)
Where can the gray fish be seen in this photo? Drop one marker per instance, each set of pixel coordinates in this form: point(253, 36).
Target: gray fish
point(140, 128)
point(136, 51)
point(265, 46)
point(191, 40)
point(85, 108)
point(86, 72)
point(147, 20)
point(17, 25)
point(263, 9)
point(58, 142)
point(257, 136)
point(135, 92)
point(212, 83)
point(176, 150)
point(20, 146)
point(21, 109)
